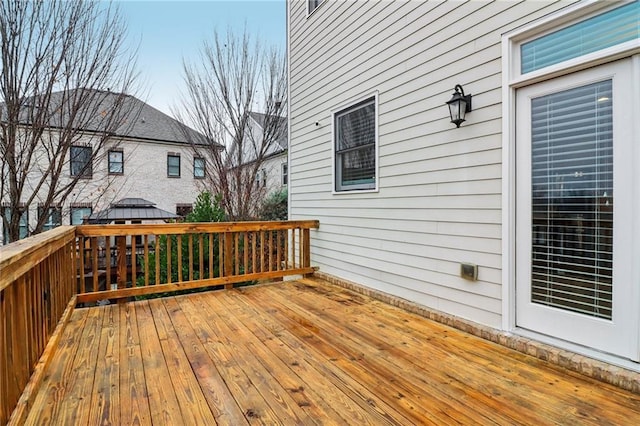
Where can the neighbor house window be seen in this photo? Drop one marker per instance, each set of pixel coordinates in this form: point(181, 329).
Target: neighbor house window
point(24, 223)
point(81, 161)
point(198, 168)
point(116, 162)
point(173, 165)
point(183, 209)
point(79, 213)
point(355, 137)
point(261, 178)
point(53, 217)
point(285, 174)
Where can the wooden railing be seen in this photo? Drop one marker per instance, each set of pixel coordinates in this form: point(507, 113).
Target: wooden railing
point(37, 287)
point(44, 276)
point(119, 261)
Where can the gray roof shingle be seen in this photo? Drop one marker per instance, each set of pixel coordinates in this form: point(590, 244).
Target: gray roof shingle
point(282, 139)
point(138, 119)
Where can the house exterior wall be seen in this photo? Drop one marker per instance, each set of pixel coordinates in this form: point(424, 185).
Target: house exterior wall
point(438, 201)
point(273, 169)
point(145, 176)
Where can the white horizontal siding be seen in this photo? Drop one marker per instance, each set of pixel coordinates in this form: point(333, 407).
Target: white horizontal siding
point(439, 202)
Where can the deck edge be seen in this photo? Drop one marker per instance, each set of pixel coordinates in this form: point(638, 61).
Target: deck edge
point(21, 411)
point(620, 377)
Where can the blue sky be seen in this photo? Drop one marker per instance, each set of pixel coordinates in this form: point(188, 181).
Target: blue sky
point(167, 31)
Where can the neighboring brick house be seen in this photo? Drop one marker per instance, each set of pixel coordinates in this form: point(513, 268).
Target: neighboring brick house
point(153, 159)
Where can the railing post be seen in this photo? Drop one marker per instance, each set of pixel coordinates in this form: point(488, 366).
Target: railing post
point(122, 262)
point(228, 256)
point(306, 248)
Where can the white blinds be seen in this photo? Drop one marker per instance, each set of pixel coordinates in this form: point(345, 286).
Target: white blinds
point(355, 132)
point(599, 32)
point(572, 199)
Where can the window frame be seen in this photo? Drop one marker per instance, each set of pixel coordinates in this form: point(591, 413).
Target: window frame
point(204, 168)
point(512, 80)
point(353, 105)
point(169, 156)
point(261, 178)
point(85, 172)
point(563, 18)
point(109, 162)
point(284, 174)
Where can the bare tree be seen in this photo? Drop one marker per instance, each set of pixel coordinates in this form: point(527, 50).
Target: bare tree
point(236, 76)
point(65, 75)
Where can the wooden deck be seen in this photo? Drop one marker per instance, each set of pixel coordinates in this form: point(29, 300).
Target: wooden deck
point(301, 352)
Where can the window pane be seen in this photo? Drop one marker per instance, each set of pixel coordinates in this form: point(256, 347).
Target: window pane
point(599, 32)
point(78, 214)
point(24, 224)
point(54, 217)
point(313, 4)
point(355, 132)
point(357, 127)
point(198, 167)
point(358, 167)
point(173, 165)
point(81, 161)
point(116, 162)
point(572, 199)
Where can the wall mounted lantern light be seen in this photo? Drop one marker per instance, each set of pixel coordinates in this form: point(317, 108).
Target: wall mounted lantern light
point(459, 105)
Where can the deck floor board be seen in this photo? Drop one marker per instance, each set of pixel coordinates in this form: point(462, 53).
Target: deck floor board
point(301, 352)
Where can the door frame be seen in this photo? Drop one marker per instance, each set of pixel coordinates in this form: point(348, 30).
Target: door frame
point(512, 79)
point(615, 336)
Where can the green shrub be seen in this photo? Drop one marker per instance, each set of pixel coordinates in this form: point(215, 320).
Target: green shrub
point(206, 209)
point(275, 206)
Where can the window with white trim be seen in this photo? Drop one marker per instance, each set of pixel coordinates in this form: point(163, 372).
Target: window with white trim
point(285, 174)
point(355, 135)
point(570, 171)
point(596, 33)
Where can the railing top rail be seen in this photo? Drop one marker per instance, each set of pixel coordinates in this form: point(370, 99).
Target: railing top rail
point(19, 257)
point(190, 227)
